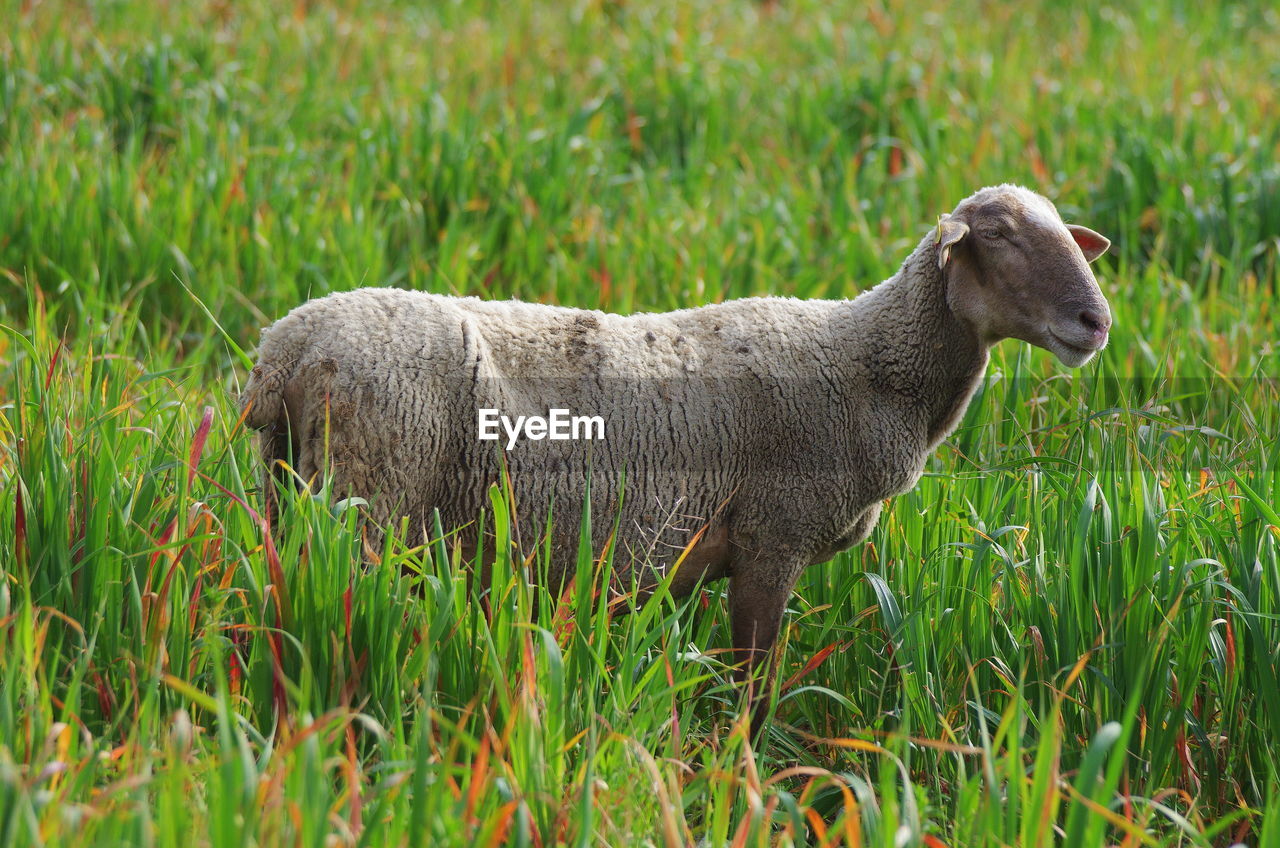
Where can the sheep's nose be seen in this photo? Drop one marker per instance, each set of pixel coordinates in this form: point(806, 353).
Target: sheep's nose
point(1096, 323)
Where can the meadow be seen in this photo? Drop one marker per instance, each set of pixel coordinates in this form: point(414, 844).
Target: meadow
point(1068, 634)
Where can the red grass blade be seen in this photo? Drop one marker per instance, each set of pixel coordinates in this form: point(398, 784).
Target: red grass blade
point(53, 363)
point(19, 526)
point(814, 661)
point(197, 443)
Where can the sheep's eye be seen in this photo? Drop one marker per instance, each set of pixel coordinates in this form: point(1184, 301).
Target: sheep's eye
point(989, 233)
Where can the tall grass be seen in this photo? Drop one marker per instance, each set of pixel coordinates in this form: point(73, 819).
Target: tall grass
point(1069, 633)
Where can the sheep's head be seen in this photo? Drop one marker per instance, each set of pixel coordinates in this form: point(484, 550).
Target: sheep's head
point(1015, 270)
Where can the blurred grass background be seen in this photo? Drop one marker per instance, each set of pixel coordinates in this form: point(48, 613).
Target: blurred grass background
point(1068, 634)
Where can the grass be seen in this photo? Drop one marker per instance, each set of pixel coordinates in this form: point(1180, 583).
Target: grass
point(1069, 633)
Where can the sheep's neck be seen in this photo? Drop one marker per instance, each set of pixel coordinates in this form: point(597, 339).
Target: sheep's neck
point(923, 352)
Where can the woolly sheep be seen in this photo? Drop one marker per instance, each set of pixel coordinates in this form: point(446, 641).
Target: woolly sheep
point(757, 436)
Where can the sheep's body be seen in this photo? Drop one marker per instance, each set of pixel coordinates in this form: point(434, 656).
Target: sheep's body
point(763, 424)
point(756, 437)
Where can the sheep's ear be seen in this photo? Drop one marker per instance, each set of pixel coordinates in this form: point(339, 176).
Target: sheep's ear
point(1091, 244)
point(950, 231)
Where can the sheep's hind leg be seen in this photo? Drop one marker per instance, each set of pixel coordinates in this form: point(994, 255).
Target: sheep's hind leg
point(758, 594)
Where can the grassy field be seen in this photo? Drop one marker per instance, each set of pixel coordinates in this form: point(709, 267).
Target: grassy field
point(1069, 634)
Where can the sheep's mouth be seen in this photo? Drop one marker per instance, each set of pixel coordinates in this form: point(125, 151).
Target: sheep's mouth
point(1071, 355)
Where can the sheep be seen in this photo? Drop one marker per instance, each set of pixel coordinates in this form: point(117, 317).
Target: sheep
point(757, 436)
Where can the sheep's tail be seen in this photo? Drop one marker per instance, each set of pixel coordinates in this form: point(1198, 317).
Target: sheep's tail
point(263, 408)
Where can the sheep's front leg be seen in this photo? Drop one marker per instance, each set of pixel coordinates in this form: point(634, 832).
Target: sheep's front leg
point(758, 593)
